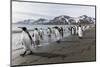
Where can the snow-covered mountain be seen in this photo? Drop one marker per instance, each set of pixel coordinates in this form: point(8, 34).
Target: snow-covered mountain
point(27, 21)
point(84, 19)
point(63, 19)
point(41, 21)
point(60, 20)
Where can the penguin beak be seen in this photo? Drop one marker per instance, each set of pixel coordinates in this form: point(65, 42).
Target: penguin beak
point(19, 27)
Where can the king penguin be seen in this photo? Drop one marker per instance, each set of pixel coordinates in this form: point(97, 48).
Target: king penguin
point(26, 41)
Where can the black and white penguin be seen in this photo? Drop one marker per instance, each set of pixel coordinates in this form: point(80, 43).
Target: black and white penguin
point(80, 32)
point(36, 37)
point(26, 41)
point(61, 32)
point(57, 34)
point(41, 33)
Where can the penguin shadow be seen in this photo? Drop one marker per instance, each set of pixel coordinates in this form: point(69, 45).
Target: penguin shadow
point(70, 41)
point(49, 55)
point(91, 37)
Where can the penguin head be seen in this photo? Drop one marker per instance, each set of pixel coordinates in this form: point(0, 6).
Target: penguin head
point(23, 28)
point(79, 25)
point(36, 28)
point(55, 27)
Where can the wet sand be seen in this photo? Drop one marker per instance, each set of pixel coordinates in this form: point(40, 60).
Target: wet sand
point(71, 49)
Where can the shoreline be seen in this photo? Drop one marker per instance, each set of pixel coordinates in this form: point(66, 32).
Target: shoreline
point(71, 49)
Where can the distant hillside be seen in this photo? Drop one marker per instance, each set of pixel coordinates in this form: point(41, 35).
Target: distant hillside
point(84, 19)
point(60, 20)
point(27, 21)
point(41, 21)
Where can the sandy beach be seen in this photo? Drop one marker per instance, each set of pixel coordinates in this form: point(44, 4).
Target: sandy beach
point(71, 49)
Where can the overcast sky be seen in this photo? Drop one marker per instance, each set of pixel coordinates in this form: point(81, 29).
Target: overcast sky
point(28, 10)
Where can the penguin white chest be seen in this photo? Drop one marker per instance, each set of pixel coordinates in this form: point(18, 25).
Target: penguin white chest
point(26, 41)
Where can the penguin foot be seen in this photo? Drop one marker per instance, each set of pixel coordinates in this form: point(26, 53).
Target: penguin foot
point(30, 53)
point(80, 37)
point(22, 55)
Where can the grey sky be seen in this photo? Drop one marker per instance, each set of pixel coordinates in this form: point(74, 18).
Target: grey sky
point(26, 10)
